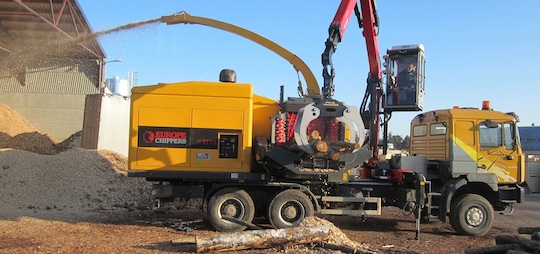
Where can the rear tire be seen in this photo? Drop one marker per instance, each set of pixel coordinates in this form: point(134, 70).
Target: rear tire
point(232, 202)
point(472, 215)
point(289, 208)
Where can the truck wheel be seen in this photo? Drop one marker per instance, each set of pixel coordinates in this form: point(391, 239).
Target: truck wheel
point(289, 208)
point(232, 202)
point(472, 215)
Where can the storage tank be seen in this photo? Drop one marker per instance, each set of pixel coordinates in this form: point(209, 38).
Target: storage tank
point(119, 86)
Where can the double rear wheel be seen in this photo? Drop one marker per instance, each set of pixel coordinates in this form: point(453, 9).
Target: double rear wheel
point(288, 208)
point(231, 202)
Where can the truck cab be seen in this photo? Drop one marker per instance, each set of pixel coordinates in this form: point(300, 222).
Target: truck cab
point(470, 151)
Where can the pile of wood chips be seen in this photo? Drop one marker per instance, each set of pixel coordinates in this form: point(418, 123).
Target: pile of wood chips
point(40, 175)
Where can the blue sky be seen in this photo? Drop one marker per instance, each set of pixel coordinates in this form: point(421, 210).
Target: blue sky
point(476, 50)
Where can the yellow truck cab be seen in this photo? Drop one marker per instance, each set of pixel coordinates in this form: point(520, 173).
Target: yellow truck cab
point(470, 151)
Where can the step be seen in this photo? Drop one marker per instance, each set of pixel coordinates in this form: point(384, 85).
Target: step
point(348, 211)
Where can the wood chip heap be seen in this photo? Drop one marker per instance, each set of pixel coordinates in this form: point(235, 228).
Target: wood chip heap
point(39, 175)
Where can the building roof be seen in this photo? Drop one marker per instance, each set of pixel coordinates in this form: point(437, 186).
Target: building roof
point(58, 25)
point(530, 138)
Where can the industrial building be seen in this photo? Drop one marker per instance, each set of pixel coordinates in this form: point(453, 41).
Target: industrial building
point(50, 62)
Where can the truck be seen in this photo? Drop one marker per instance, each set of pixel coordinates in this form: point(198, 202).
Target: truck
point(249, 156)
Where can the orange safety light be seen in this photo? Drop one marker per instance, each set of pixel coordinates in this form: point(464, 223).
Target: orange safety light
point(486, 105)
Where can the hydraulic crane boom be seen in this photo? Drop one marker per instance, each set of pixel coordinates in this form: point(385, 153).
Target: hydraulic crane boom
point(335, 35)
point(374, 86)
point(369, 23)
point(368, 20)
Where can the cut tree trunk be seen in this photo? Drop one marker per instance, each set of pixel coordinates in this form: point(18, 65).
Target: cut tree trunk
point(312, 231)
point(262, 239)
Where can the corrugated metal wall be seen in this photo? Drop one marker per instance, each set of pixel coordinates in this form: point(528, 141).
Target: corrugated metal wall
point(51, 94)
point(58, 76)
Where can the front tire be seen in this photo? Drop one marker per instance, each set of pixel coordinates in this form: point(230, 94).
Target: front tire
point(472, 215)
point(231, 202)
point(289, 208)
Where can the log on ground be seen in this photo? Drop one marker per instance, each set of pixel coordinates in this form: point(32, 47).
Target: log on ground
point(262, 239)
point(312, 231)
point(502, 248)
point(523, 242)
point(528, 230)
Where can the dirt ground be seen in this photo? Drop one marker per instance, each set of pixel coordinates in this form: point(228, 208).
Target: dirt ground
point(151, 231)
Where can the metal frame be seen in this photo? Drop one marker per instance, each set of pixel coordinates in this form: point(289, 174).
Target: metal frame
point(62, 16)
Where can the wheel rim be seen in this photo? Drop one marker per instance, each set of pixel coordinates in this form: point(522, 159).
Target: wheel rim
point(474, 216)
point(291, 212)
point(233, 208)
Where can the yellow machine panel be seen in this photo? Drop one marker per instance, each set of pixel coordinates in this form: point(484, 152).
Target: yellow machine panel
point(157, 157)
point(191, 126)
point(263, 109)
point(154, 116)
point(225, 119)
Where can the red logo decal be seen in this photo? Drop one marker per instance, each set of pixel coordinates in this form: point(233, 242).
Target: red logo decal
point(148, 137)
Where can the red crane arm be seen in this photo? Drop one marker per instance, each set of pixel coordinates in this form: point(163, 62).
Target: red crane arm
point(368, 20)
point(336, 32)
point(342, 17)
point(369, 24)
